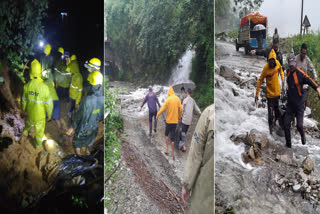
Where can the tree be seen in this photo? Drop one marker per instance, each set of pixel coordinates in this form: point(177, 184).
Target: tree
point(20, 29)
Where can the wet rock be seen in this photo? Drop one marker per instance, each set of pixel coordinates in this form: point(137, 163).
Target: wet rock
point(259, 138)
point(239, 138)
point(296, 188)
point(284, 159)
point(245, 158)
point(280, 181)
point(251, 153)
point(307, 165)
point(229, 74)
point(235, 93)
point(41, 159)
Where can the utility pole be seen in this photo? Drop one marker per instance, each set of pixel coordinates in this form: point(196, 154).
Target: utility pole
point(301, 18)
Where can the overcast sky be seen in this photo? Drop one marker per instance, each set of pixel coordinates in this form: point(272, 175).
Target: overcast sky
point(286, 15)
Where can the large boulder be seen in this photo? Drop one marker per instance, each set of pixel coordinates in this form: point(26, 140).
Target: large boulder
point(307, 165)
point(229, 74)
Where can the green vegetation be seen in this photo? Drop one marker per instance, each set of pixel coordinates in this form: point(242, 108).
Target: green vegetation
point(113, 128)
point(150, 36)
point(20, 29)
point(79, 202)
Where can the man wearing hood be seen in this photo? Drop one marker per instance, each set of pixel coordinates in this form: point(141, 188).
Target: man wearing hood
point(174, 112)
point(296, 78)
point(270, 72)
point(86, 121)
point(37, 102)
point(75, 90)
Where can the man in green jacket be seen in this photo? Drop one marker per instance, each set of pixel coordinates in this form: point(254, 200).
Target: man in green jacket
point(62, 76)
point(199, 170)
point(91, 111)
point(37, 102)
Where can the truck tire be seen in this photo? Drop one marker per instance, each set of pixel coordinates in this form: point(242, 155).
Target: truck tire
point(237, 45)
point(247, 49)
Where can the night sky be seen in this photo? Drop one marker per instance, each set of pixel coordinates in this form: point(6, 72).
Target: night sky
point(81, 32)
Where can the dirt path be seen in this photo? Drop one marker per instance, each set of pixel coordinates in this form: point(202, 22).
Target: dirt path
point(151, 171)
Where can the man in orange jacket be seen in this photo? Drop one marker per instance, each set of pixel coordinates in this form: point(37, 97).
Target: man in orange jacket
point(271, 72)
point(174, 112)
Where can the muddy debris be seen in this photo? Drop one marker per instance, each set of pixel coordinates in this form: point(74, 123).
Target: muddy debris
point(152, 186)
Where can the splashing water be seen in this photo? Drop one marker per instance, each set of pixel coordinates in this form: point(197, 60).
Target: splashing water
point(183, 69)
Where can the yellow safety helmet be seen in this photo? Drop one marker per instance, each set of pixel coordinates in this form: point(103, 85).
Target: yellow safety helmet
point(95, 78)
point(93, 63)
point(35, 69)
point(47, 49)
point(73, 57)
point(60, 49)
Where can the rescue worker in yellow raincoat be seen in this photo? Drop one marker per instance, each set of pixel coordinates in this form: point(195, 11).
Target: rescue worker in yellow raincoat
point(93, 66)
point(46, 62)
point(174, 113)
point(199, 170)
point(271, 73)
point(55, 100)
point(75, 90)
point(37, 102)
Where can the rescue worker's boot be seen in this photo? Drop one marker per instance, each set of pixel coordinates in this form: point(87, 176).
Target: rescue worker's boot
point(270, 129)
point(303, 139)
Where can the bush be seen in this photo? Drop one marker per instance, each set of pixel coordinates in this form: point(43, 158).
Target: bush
point(113, 128)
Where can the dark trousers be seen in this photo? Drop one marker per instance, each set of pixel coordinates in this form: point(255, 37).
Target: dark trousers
point(63, 93)
point(273, 109)
point(305, 96)
point(151, 115)
point(72, 105)
point(292, 111)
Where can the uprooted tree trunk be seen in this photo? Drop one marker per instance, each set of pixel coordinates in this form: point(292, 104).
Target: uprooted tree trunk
point(9, 91)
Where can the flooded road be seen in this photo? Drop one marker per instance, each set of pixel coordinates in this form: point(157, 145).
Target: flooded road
point(254, 187)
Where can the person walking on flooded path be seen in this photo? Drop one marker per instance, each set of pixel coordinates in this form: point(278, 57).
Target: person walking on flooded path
point(188, 106)
point(152, 100)
point(266, 52)
point(296, 78)
point(199, 170)
point(91, 111)
point(183, 94)
point(305, 64)
point(174, 111)
point(37, 102)
point(270, 72)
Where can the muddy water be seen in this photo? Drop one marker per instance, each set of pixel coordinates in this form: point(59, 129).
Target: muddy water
point(29, 174)
point(245, 187)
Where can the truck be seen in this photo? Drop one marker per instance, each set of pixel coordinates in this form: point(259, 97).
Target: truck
point(252, 33)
